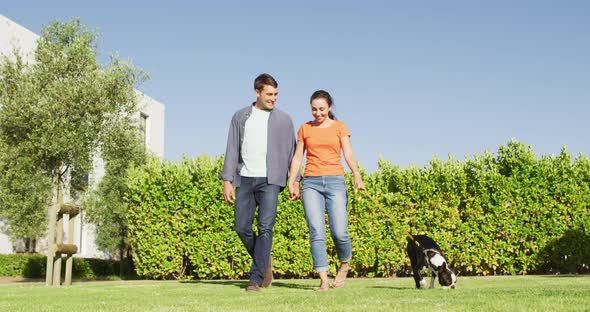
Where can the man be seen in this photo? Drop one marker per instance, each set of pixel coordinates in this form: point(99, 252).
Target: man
point(260, 145)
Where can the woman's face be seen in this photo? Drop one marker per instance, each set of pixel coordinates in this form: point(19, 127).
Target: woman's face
point(320, 109)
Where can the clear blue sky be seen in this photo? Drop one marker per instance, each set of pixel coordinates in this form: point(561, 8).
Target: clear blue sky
point(411, 79)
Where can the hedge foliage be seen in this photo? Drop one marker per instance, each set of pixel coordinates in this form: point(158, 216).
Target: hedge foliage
point(505, 213)
point(34, 266)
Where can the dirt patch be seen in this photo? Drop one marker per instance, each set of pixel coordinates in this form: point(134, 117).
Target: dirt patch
point(11, 279)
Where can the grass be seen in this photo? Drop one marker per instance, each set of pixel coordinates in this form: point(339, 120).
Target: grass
point(506, 293)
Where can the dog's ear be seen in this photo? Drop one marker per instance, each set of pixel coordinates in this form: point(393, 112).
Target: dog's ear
point(443, 267)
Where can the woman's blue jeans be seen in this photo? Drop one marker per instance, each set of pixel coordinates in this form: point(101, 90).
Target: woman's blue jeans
point(321, 194)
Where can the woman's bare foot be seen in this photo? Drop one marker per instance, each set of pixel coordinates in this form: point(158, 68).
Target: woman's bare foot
point(324, 282)
point(341, 275)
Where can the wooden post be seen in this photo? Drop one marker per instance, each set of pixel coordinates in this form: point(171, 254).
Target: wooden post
point(69, 260)
point(56, 240)
point(51, 239)
point(72, 211)
point(59, 239)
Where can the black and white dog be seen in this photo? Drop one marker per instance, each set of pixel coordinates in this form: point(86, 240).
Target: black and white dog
point(425, 255)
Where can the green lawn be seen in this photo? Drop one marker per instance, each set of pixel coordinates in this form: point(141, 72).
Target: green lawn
point(518, 293)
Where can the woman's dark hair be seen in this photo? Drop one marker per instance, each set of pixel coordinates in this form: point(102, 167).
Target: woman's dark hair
point(264, 80)
point(321, 94)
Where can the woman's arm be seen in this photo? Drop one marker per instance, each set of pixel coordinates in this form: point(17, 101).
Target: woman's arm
point(294, 171)
point(351, 161)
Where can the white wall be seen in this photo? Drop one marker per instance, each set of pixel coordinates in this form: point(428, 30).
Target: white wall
point(154, 110)
point(5, 243)
point(14, 36)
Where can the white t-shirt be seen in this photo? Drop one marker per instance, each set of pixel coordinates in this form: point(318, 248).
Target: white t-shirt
point(254, 145)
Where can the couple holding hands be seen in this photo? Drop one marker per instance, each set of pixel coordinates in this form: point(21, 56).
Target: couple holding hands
point(262, 157)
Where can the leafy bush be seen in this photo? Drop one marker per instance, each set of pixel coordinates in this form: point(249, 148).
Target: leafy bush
point(12, 265)
point(34, 266)
point(510, 213)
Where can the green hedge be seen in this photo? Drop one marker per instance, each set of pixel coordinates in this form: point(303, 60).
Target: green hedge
point(34, 266)
point(505, 213)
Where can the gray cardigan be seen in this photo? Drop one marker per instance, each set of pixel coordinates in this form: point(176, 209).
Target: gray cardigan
point(280, 147)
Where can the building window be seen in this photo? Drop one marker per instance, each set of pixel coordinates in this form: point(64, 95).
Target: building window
point(143, 129)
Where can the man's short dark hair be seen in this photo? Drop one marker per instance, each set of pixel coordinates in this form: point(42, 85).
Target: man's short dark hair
point(264, 80)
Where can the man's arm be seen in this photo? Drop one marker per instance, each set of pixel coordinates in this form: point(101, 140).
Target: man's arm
point(230, 160)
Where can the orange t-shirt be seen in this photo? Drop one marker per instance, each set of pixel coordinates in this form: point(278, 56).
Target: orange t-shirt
point(323, 147)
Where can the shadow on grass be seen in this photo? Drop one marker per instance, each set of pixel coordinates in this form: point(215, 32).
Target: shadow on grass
point(239, 284)
point(293, 286)
point(243, 284)
point(393, 287)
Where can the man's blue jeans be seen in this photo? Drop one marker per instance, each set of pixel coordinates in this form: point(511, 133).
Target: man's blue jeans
point(254, 192)
point(320, 194)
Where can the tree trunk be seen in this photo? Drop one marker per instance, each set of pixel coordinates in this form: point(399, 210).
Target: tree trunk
point(51, 235)
point(122, 264)
point(30, 245)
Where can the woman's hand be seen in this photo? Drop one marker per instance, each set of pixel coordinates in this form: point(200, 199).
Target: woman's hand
point(294, 191)
point(358, 181)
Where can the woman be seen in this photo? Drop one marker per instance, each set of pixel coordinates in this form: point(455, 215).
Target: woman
point(324, 188)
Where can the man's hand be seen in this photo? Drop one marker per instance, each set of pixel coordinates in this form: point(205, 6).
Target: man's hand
point(229, 194)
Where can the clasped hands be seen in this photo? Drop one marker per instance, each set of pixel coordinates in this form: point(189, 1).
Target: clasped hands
point(294, 190)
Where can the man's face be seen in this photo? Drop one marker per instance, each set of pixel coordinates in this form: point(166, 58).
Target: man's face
point(266, 97)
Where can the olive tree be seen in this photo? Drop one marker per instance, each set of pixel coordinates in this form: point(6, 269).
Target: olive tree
point(56, 114)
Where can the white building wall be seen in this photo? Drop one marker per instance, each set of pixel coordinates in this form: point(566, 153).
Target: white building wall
point(5, 243)
point(154, 111)
point(15, 37)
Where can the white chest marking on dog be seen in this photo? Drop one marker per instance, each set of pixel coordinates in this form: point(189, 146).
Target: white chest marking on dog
point(437, 260)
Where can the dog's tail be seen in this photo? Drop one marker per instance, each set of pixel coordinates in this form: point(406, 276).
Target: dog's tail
point(409, 236)
point(412, 240)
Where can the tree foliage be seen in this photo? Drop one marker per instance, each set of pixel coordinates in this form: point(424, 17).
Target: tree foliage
point(104, 205)
point(56, 114)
